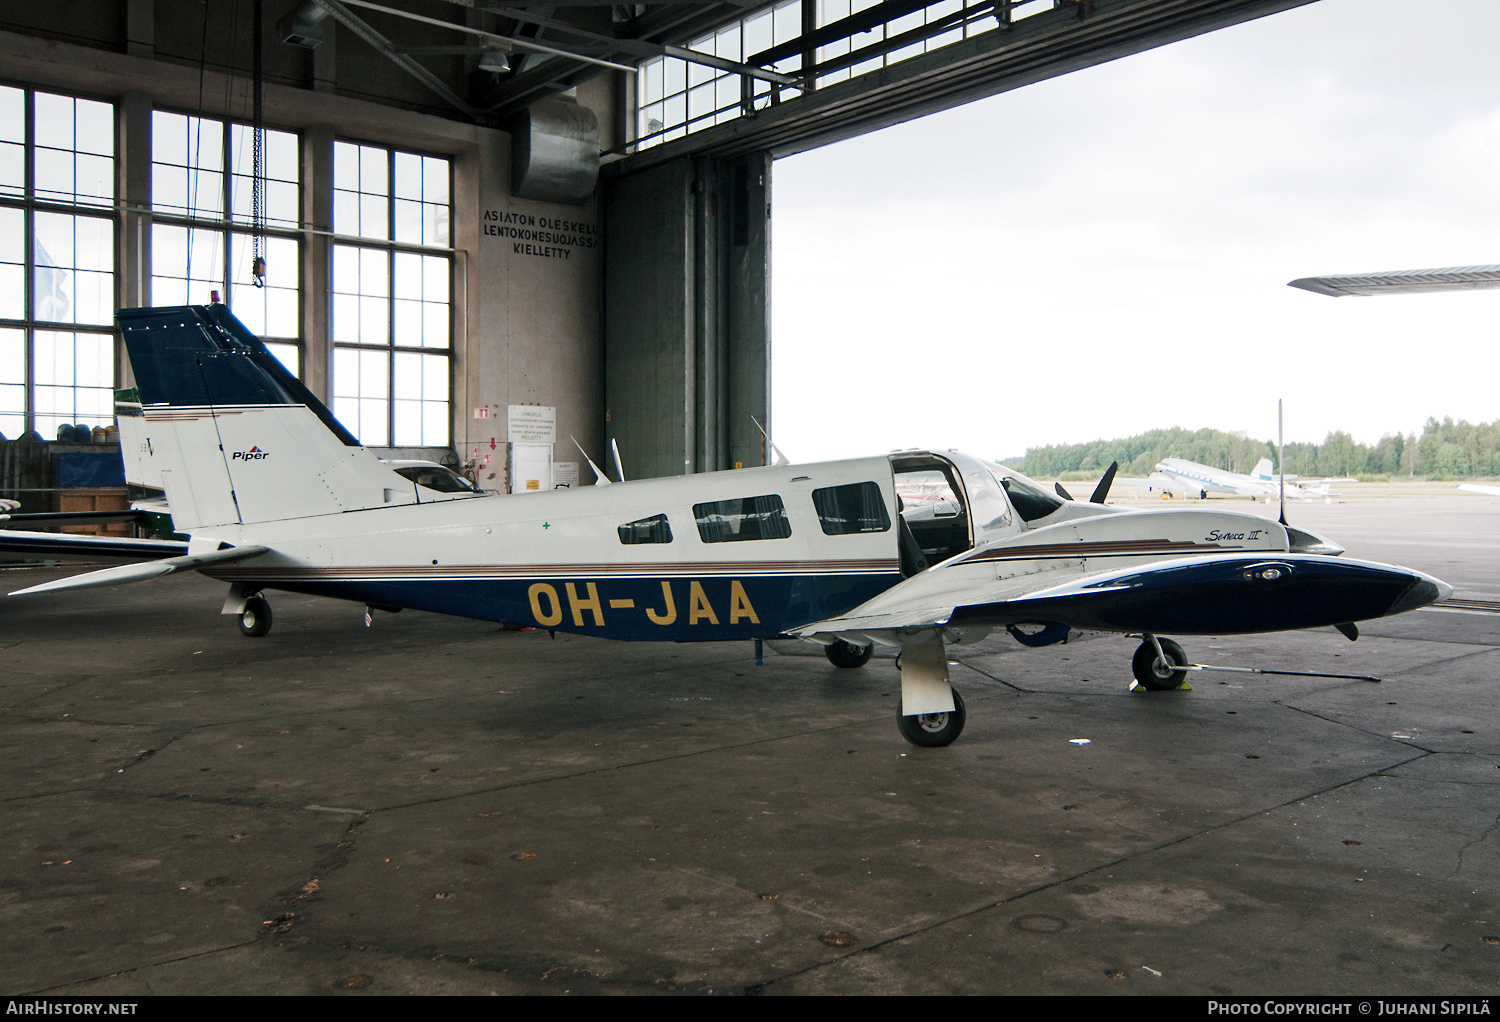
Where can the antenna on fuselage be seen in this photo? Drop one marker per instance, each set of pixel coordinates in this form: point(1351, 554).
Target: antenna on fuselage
point(1280, 461)
point(600, 479)
point(777, 458)
point(615, 449)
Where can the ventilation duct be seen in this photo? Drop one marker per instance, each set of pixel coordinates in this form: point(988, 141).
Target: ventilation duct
point(303, 26)
point(554, 151)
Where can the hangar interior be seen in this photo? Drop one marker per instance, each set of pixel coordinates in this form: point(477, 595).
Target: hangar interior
point(437, 212)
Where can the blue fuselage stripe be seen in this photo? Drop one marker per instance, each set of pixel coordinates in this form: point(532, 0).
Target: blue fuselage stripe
point(707, 609)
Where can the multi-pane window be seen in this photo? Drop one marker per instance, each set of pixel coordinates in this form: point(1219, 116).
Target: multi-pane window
point(57, 261)
point(201, 168)
point(676, 97)
point(392, 300)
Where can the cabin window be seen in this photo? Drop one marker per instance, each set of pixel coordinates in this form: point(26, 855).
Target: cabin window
point(855, 507)
point(742, 518)
point(655, 529)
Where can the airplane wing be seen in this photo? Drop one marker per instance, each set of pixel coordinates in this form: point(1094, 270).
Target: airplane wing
point(148, 569)
point(1254, 591)
point(1451, 278)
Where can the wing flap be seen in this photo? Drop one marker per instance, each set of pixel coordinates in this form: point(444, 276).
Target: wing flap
point(140, 572)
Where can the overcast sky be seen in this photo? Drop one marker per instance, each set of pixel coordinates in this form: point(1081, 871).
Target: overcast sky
point(1107, 252)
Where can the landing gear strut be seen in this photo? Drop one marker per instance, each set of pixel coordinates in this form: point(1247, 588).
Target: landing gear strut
point(933, 730)
point(255, 619)
point(1159, 671)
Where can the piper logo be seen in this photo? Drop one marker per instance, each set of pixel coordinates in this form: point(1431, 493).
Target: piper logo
point(253, 454)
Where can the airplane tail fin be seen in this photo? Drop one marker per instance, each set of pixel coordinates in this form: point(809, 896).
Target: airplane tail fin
point(237, 438)
point(1263, 469)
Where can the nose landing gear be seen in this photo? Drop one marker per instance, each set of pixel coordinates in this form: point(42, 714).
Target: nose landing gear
point(1158, 664)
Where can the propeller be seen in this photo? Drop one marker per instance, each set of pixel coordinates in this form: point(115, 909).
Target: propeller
point(1105, 482)
point(1064, 494)
point(1280, 462)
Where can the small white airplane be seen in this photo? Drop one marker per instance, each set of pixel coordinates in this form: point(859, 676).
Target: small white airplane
point(275, 494)
point(1177, 475)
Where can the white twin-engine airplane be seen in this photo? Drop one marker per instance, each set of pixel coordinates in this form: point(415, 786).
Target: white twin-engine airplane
point(275, 494)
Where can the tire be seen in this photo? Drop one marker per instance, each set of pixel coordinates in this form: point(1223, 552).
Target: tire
point(934, 730)
point(1150, 674)
point(847, 654)
point(255, 619)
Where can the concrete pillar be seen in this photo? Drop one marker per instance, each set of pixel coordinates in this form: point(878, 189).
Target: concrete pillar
point(317, 285)
point(140, 28)
point(325, 58)
point(133, 177)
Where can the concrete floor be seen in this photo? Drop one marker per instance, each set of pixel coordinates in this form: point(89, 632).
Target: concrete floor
point(434, 806)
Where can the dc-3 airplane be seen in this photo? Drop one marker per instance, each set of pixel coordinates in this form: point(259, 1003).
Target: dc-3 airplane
point(276, 495)
point(1177, 475)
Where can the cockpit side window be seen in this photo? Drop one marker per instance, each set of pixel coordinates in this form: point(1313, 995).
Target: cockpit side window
point(655, 529)
point(742, 518)
point(849, 509)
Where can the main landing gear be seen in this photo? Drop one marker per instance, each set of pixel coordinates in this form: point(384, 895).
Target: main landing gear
point(255, 619)
point(1158, 664)
point(933, 730)
point(847, 654)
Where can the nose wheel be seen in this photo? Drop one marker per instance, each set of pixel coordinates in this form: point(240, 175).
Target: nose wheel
point(255, 619)
point(1161, 671)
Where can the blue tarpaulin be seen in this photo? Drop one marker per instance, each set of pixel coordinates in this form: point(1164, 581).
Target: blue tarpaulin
point(88, 469)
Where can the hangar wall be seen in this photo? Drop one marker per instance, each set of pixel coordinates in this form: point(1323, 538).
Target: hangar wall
point(526, 275)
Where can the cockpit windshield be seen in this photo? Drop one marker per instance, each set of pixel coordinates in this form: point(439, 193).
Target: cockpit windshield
point(436, 477)
point(1031, 502)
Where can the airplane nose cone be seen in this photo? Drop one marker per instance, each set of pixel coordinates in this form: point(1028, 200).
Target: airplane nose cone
point(1424, 590)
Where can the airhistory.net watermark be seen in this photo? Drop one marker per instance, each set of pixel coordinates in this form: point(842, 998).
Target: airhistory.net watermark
point(40, 1007)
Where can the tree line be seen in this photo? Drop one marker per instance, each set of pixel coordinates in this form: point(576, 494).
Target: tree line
point(1444, 450)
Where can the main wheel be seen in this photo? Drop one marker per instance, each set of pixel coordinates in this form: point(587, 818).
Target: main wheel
point(847, 654)
point(1152, 673)
point(932, 730)
point(255, 619)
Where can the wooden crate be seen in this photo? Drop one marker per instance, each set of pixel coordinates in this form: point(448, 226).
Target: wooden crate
point(104, 498)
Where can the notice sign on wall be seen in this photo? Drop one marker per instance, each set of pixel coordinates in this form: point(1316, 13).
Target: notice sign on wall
point(531, 424)
point(540, 236)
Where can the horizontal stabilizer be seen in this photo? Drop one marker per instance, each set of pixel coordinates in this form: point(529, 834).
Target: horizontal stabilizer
point(58, 544)
point(140, 572)
point(74, 517)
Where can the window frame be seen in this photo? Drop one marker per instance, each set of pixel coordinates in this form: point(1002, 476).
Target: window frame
point(391, 249)
point(30, 203)
point(233, 233)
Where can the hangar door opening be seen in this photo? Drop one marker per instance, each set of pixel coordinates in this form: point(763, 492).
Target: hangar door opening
point(687, 315)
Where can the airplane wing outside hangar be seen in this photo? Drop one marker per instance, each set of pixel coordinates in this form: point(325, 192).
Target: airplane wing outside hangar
point(1455, 278)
